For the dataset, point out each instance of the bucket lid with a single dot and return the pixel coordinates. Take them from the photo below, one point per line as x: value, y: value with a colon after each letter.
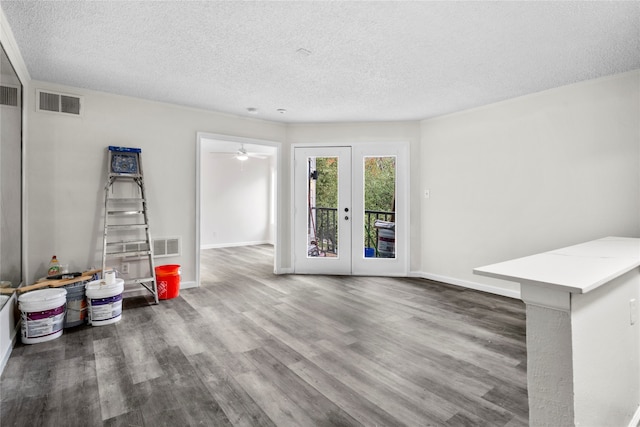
x: 102, y: 285
x: 43, y: 295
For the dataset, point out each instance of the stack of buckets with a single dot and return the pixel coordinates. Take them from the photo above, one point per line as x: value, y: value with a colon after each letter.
x: 45, y: 312
x: 386, y: 238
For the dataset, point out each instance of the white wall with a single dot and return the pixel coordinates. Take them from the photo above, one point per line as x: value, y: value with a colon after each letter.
x: 66, y: 172
x: 528, y: 175
x: 235, y: 201
x: 606, y: 353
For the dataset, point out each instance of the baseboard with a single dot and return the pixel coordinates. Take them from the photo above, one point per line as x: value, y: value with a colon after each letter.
x: 284, y: 271
x: 233, y: 245
x: 467, y: 284
x: 636, y: 419
x: 187, y: 285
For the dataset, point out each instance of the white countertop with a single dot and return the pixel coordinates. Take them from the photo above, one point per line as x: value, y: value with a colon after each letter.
x: 578, y: 269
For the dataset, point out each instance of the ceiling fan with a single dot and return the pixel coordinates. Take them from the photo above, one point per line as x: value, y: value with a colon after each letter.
x: 242, y: 154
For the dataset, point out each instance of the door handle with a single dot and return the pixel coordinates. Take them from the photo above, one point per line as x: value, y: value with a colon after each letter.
x: 346, y: 209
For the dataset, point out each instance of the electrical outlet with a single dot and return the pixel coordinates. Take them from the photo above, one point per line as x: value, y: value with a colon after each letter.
x: 125, y: 268
x: 633, y: 311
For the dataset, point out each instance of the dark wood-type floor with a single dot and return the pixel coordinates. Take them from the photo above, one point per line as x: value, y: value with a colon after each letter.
x: 252, y: 349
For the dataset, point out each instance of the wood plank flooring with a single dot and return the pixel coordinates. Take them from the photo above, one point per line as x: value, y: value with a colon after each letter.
x: 249, y: 348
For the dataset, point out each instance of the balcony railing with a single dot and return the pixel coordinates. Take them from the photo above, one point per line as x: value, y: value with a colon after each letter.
x: 326, y: 222
x: 371, y: 232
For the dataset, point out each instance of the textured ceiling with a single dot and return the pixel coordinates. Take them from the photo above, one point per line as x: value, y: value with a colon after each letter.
x: 364, y: 61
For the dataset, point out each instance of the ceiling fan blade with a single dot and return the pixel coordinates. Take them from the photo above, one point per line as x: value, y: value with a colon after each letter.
x: 241, y: 152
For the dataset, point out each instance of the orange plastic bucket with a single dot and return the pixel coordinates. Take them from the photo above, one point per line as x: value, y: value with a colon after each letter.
x: 168, y: 281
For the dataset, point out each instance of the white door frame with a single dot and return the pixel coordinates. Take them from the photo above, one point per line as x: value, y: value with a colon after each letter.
x: 198, y: 217
x: 398, y: 266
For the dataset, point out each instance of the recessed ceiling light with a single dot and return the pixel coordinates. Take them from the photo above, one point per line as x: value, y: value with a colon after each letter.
x: 252, y: 110
x: 281, y: 110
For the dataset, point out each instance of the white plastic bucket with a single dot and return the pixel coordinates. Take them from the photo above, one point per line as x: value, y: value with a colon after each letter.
x: 42, y: 314
x: 3, y: 300
x: 105, y: 301
x: 386, y: 243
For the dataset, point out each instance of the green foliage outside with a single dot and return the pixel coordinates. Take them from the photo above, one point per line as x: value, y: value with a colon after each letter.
x: 379, y: 178
x: 327, y: 183
x: 379, y: 183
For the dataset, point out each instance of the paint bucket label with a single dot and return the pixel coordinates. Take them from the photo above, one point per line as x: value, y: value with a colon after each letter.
x: 42, y: 323
x: 106, y: 308
x: 386, y: 243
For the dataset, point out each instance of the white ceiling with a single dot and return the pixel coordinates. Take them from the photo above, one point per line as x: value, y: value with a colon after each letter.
x: 368, y: 61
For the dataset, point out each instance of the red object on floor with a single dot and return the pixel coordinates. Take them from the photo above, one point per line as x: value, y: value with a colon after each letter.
x: 168, y: 281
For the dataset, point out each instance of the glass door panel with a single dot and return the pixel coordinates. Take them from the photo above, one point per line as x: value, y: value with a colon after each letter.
x: 322, y: 195
x: 379, y: 206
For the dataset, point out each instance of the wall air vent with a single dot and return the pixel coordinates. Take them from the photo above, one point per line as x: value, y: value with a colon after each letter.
x: 58, y: 102
x: 9, y: 96
x: 166, y: 247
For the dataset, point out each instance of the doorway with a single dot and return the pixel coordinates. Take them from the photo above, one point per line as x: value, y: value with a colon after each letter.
x: 351, y: 209
x: 236, y: 194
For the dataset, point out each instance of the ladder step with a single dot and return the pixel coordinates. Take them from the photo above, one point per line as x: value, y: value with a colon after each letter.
x: 126, y: 254
x: 124, y: 213
x: 125, y: 199
x: 127, y: 242
x: 138, y: 281
x: 125, y: 175
x: 127, y: 227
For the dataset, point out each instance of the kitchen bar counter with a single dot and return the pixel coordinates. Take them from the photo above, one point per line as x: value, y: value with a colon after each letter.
x: 583, y: 341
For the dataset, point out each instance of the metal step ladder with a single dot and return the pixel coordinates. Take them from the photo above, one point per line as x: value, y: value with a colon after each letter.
x: 126, y: 220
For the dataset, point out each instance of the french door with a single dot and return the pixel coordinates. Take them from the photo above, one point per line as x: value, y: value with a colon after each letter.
x: 351, y: 209
x: 322, y: 219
